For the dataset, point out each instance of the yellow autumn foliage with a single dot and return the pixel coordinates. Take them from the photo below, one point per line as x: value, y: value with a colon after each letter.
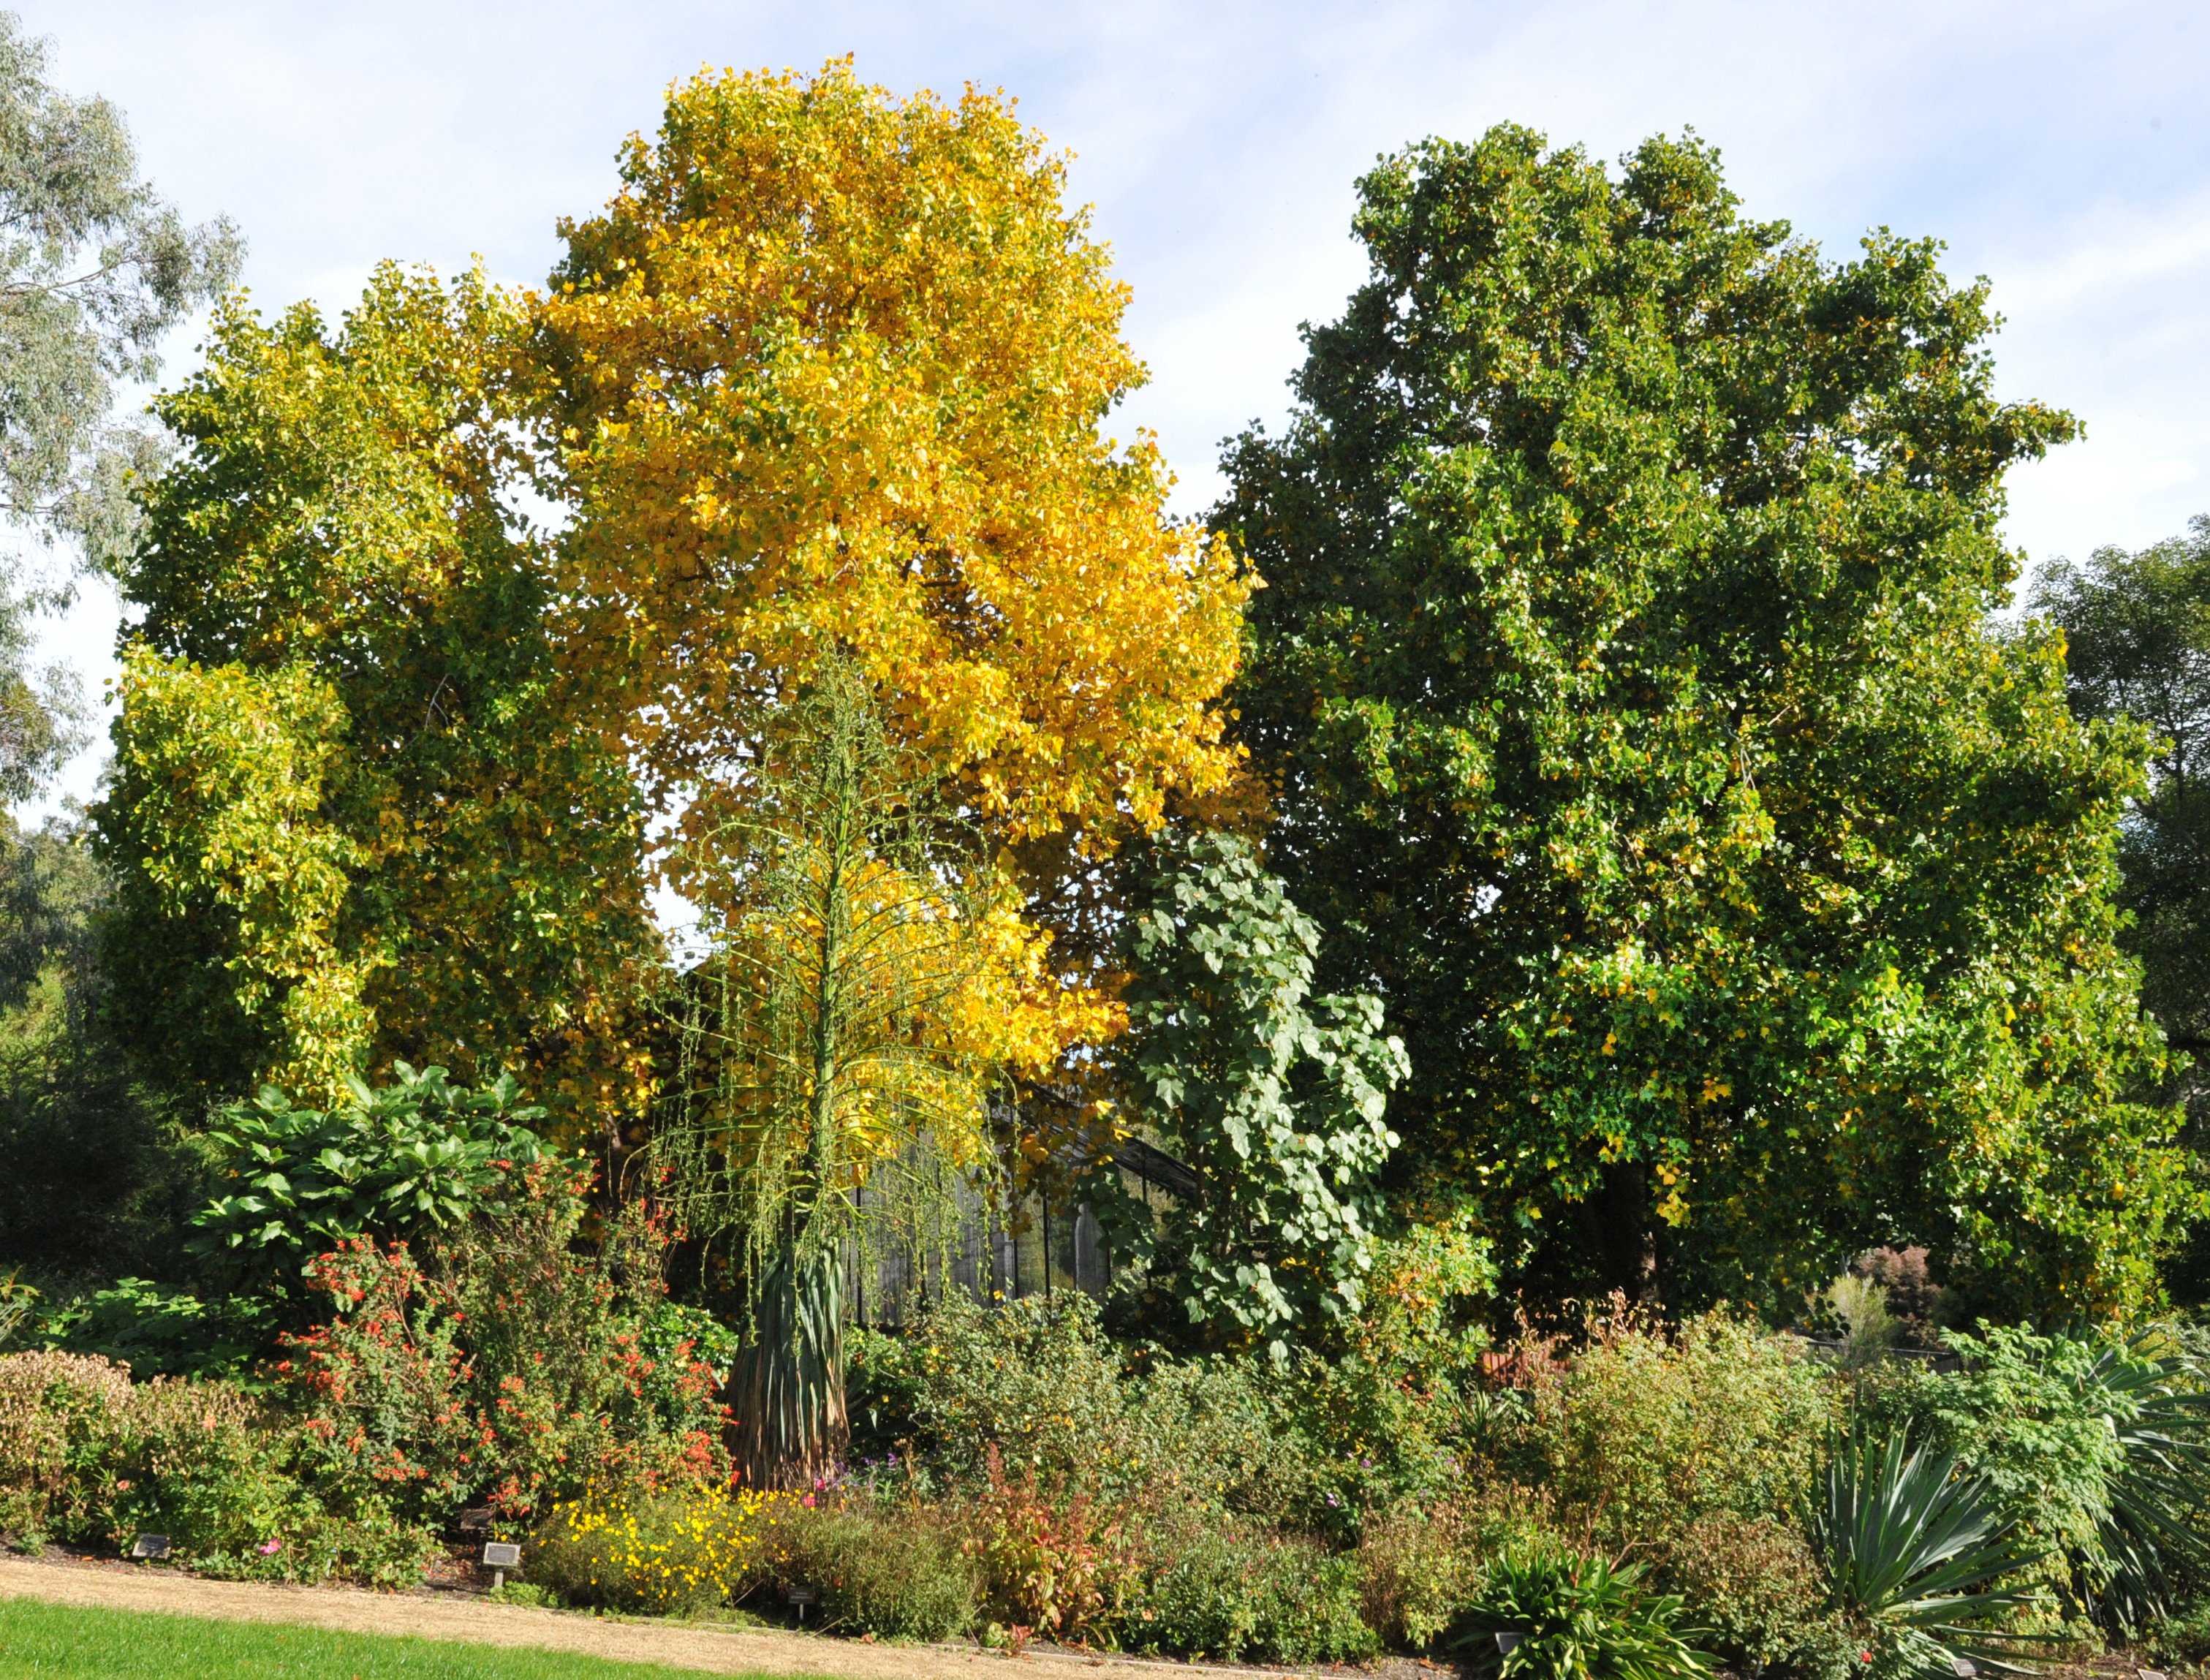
x: 831, y: 370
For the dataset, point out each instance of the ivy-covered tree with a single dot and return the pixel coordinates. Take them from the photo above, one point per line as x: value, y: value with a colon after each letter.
x: 1626, y: 684
x: 1274, y: 1097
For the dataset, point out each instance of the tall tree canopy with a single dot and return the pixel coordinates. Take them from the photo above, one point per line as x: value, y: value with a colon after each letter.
x: 830, y: 372
x: 2137, y: 633
x: 351, y: 818
x: 1625, y: 684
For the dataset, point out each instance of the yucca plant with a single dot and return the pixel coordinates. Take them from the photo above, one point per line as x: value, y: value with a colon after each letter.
x: 1569, y: 1618
x: 1913, y: 1546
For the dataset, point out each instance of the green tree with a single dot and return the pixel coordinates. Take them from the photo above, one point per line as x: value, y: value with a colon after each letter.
x: 1273, y: 1097
x: 355, y: 819
x: 1626, y: 685
x: 2137, y: 637
x: 95, y: 1177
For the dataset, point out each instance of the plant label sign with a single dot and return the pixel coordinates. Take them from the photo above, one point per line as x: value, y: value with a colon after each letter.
x: 148, y: 1546
x: 501, y: 1555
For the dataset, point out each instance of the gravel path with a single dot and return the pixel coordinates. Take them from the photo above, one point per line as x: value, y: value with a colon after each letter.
x: 425, y: 1616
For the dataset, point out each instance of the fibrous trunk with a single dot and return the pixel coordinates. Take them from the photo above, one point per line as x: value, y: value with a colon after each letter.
x: 790, y: 1382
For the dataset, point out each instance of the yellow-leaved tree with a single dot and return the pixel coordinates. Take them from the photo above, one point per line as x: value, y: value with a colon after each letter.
x: 829, y: 372
x: 827, y: 379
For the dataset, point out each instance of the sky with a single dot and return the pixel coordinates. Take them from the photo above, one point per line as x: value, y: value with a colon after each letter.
x: 2059, y: 150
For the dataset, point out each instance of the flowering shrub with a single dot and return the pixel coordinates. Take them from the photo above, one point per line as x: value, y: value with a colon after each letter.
x: 684, y: 1551
x: 382, y: 1387
x: 55, y: 1410
x: 516, y: 1375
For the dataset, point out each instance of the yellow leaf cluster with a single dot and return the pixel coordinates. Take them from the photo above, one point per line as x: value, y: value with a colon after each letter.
x: 831, y: 372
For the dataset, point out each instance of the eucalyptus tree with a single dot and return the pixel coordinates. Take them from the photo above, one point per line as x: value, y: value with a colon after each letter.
x: 95, y: 270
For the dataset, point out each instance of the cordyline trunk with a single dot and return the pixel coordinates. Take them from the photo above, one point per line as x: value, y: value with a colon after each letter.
x: 789, y: 1396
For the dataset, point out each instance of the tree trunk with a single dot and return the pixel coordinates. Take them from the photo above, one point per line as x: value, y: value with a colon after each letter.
x: 792, y: 1425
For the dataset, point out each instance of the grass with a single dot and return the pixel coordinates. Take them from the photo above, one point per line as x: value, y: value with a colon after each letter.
x: 62, y: 1642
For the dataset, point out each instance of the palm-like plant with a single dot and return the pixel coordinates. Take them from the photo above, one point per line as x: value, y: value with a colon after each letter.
x: 1913, y: 1545
x: 2147, y: 1536
x: 1568, y: 1617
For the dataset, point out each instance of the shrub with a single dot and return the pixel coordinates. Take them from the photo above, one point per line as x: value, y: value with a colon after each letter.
x: 1642, y: 1433
x: 1417, y: 1572
x: 1388, y: 1412
x: 894, y: 1573
x: 55, y: 1408
x: 1575, y: 1618
x: 1040, y: 1384
x: 1218, y: 1591
x: 415, y: 1156
x: 157, y: 1333
x: 1756, y: 1590
x: 90, y: 1457
x: 1918, y: 1304
x: 1420, y: 1562
x: 2182, y: 1640
x: 685, y: 1550
x: 518, y: 1377
x: 2100, y: 1449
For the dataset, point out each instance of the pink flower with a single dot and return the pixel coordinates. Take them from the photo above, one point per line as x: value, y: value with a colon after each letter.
x: 271, y: 1546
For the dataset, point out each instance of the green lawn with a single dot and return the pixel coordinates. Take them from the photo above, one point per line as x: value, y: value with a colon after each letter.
x: 71, y: 1644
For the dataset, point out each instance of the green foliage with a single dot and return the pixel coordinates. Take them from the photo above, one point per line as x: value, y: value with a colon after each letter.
x: 1759, y: 1596
x: 513, y: 1376
x: 1643, y: 1433
x: 356, y: 816
x: 416, y: 1156
x: 2184, y: 1641
x: 97, y: 270
x: 1274, y: 1097
x: 88, y: 1456
x: 97, y: 1177
x: 894, y: 1573
x: 1918, y: 1548
x: 1576, y: 1618
x: 1232, y: 1595
x: 2100, y: 1449
x: 827, y: 1046
x: 1039, y: 1383
x: 2137, y: 649
x: 1422, y: 1562
x: 158, y: 1332
x: 1386, y: 1408
x: 632, y: 1549
x: 1626, y: 687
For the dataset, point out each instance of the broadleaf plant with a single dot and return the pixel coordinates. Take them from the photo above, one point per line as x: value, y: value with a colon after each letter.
x: 416, y: 1154
x: 1275, y: 1097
